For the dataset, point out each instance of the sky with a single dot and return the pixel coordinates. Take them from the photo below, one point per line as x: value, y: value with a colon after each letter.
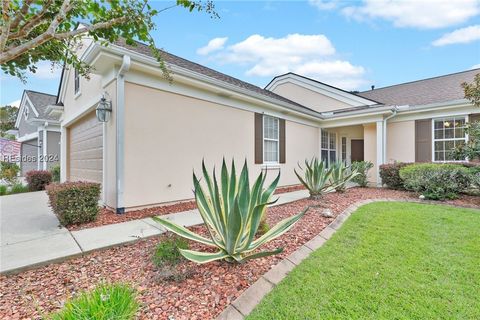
x: 349, y: 44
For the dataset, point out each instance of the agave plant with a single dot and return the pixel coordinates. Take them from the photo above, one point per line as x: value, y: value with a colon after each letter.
x: 232, y: 212
x: 316, y: 178
x: 341, y: 174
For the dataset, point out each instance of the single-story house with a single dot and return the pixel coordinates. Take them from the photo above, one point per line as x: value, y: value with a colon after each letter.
x: 38, y: 125
x: 160, y: 130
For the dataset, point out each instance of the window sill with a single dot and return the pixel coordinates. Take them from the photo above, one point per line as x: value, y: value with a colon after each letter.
x: 270, y: 166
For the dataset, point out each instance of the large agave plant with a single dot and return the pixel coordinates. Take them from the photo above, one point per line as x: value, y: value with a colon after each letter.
x: 316, y: 178
x: 232, y: 212
x: 341, y: 174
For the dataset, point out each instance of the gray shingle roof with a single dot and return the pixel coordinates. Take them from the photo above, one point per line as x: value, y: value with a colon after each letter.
x: 421, y: 92
x: 41, y: 101
x: 180, y: 62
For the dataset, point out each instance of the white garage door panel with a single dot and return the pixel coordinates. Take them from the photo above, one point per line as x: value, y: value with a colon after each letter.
x: 86, y: 149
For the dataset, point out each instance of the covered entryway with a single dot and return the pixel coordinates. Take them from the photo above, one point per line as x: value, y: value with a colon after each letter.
x: 85, y: 156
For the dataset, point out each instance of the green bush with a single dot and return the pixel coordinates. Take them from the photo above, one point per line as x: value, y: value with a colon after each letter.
x: 436, y: 181
x: 55, y: 171
x: 106, y: 302
x: 74, y: 202
x: 37, y: 180
x: 18, y: 188
x: 475, y: 177
x: 390, y: 175
x: 362, y: 167
x: 3, y: 190
x: 167, y: 252
x: 9, y: 172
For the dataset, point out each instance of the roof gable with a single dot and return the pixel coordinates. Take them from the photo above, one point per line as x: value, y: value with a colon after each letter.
x: 38, y: 103
x: 346, y: 98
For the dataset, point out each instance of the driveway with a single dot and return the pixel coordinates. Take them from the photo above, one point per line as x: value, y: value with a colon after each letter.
x: 30, y: 232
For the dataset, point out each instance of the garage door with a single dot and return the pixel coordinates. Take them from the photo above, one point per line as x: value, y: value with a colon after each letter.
x: 85, y: 144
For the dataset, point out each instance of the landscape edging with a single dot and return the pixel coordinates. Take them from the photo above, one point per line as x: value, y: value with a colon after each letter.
x: 253, y: 295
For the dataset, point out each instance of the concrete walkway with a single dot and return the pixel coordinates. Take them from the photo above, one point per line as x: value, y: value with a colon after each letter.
x: 31, y: 235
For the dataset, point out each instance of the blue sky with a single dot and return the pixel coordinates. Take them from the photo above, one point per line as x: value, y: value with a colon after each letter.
x: 352, y: 44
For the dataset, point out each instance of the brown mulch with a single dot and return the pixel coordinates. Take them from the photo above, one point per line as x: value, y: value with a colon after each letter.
x: 106, y: 216
x: 203, y: 295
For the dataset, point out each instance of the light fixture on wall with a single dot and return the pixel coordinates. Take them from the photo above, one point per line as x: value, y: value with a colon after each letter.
x: 104, y: 108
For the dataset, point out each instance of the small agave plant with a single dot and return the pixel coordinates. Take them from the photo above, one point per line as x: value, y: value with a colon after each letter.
x: 341, y: 174
x: 316, y: 178
x: 232, y: 212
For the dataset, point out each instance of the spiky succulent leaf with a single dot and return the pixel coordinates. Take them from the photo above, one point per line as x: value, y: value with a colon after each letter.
x: 316, y: 177
x: 182, y: 231
x: 203, y: 257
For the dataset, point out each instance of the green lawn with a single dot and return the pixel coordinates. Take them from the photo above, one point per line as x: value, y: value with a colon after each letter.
x: 388, y: 261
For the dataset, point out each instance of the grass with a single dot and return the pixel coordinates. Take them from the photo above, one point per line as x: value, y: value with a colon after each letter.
x: 106, y: 302
x: 388, y: 261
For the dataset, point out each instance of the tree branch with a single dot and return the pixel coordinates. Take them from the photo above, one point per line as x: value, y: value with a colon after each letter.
x: 21, y: 14
x: 100, y: 25
x: 6, y: 24
x: 12, y: 53
x: 32, y: 24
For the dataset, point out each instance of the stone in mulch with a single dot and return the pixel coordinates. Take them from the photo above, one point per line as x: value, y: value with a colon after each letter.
x: 207, y: 290
x: 106, y: 216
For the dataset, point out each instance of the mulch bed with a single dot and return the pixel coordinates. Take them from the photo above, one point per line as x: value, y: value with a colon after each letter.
x: 207, y: 290
x: 106, y: 216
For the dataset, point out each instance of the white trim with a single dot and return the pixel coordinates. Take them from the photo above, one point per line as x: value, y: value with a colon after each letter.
x: 63, y: 154
x: 23, y: 103
x: 120, y: 134
x: 44, y: 148
x: 320, y: 88
x: 379, y: 151
x: 28, y: 136
x: 328, y: 149
x: 465, y: 139
x: 38, y: 148
x: 270, y: 163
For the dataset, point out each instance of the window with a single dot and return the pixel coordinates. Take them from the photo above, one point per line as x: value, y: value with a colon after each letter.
x: 77, y: 81
x: 328, y: 147
x: 26, y: 112
x: 270, y: 139
x: 344, y: 149
x: 448, y: 134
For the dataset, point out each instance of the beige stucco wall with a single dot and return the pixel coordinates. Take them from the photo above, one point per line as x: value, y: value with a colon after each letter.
x: 309, y: 98
x: 370, y: 148
x: 401, y: 141
x: 167, y: 135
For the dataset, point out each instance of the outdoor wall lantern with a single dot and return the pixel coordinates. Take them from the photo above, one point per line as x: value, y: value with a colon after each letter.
x: 104, y: 108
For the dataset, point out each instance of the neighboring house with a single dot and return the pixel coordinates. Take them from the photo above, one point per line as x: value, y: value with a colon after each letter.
x: 159, y: 131
x: 38, y: 124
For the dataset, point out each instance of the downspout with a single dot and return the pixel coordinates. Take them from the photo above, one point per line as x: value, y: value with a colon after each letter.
x: 394, y: 113
x: 120, y: 150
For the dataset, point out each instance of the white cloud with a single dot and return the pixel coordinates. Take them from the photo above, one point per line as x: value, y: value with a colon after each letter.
x: 424, y: 14
x: 324, y: 4
x: 45, y: 71
x: 477, y: 66
x: 15, y: 103
x: 309, y: 55
x: 213, y: 45
x: 464, y: 35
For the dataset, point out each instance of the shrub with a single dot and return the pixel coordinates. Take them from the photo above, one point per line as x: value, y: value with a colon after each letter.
x: 390, y: 174
x: 232, y: 213
x: 74, y: 202
x: 18, y: 188
x: 55, y: 171
x: 475, y: 177
x: 9, y: 172
x: 167, y: 252
x: 106, y: 302
x: 38, y: 179
x: 362, y: 167
x: 341, y: 174
x: 436, y: 181
x: 3, y: 190
x: 316, y: 178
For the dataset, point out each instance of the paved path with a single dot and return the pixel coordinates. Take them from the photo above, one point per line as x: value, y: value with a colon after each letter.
x: 31, y: 236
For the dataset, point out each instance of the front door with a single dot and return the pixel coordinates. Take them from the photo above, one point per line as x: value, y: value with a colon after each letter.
x: 357, y: 150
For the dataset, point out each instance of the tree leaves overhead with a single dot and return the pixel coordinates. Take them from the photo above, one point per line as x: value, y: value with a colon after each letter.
x: 33, y: 30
